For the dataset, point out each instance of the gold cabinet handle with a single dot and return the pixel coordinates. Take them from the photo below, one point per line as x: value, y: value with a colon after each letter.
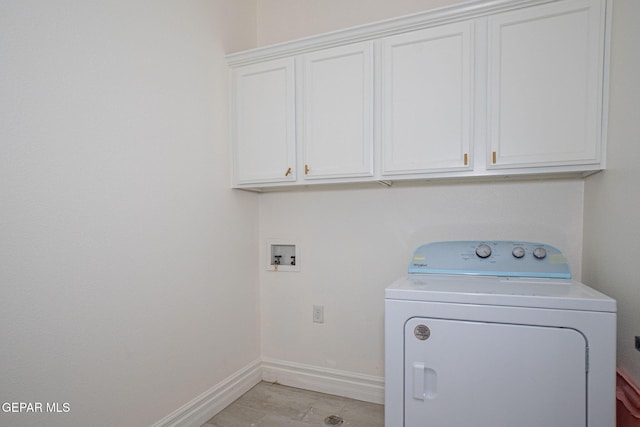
x: 306, y: 169
x: 288, y: 172
x: 493, y: 158
x: 466, y: 159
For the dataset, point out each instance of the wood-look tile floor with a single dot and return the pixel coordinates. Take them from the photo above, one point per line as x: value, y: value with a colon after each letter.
x: 274, y: 405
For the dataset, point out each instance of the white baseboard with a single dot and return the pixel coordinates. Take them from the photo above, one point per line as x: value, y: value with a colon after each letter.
x: 368, y: 388
x: 202, y: 408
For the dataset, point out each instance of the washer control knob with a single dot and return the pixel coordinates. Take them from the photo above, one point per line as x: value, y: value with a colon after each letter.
x: 518, y: 252
x: 539, y: 253
x: 483, y: 250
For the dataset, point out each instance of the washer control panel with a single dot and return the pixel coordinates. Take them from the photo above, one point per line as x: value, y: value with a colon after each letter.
x: 490, y: 258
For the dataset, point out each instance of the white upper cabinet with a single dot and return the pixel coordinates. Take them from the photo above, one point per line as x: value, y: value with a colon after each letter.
x: 426, y: 100
x: 478, y: 89
x: 336, y: 118
x: 546, y: 85
x: 263, y: 122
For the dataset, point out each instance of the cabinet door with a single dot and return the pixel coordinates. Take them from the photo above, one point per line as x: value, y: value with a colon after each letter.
x: 545, y: 85
x: 337, y: 112
x: 264, y: 122
x: 427, y: 100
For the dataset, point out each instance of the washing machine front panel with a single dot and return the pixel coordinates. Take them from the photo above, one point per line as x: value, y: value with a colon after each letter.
x: 459, y: 373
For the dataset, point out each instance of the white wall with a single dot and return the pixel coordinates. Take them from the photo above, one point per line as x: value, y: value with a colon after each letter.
x: 612, y: 199
x: 128, y: 277
x: 354, y: 243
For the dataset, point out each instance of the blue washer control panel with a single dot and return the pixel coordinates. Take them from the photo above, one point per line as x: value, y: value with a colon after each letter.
x: 490, y: 258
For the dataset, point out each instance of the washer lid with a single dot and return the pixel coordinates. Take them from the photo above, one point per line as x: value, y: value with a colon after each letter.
x: 490, y: 258
x: 563, y: 294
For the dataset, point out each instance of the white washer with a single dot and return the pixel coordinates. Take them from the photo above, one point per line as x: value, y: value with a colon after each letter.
x: 497, y: 334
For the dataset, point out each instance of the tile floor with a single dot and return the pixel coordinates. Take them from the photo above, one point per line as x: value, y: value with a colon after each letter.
x: 274, y: 405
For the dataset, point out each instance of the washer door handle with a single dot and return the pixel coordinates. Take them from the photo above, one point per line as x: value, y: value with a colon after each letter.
x: 425, y: 382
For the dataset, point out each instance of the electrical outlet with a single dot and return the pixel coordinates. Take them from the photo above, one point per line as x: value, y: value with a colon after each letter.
x: 318, y: 313
x: 637, y: 342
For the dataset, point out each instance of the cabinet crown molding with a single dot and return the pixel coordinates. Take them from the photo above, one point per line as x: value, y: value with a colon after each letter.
x: 416, y: 21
